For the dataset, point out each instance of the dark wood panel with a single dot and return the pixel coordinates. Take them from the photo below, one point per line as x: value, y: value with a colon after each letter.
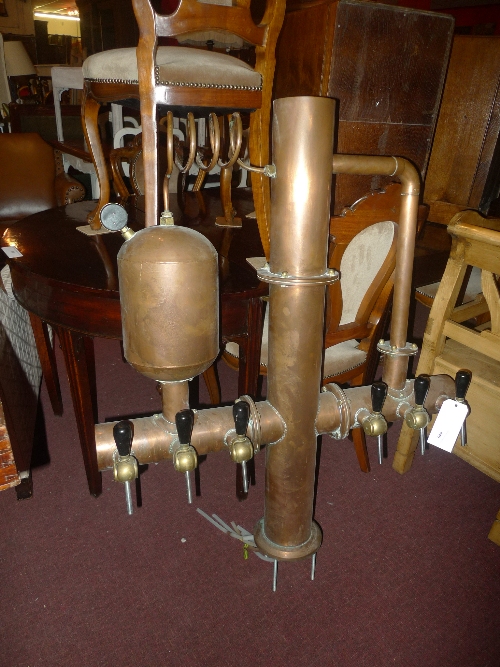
x: 302, y: 54
x: 465, y: 151
x: 386, y: 65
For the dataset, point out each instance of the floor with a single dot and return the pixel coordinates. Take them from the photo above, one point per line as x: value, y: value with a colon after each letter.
x: 405, y: 576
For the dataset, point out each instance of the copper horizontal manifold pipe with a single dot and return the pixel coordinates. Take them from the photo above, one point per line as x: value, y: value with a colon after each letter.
x: 154, y: 436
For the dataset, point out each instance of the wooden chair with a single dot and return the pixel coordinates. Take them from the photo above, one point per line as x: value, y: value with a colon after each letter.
x: 31, y: 180
x: 363, y: 249
x: 187, y: 78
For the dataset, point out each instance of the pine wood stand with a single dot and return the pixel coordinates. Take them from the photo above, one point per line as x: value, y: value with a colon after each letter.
x: 449, y: 346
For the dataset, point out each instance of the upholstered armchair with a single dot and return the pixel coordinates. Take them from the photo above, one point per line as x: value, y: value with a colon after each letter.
x: 32, y: 178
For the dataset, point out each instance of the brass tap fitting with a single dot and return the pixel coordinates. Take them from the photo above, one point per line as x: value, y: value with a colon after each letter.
x: 417, y: 418
x: 185, y: 457
x: 241, y: 449
x: 125, y: 467
x: 462, y: 381
x: 375, y: 424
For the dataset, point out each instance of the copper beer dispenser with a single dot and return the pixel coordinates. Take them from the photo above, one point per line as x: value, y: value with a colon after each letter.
x: 169, y: 297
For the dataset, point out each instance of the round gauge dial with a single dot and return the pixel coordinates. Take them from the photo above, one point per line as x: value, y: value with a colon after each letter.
x: 114, y: 217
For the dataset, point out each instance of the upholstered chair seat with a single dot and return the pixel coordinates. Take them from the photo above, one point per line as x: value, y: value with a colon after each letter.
x: 339, y: 358
x: 175, y: 66
x: 427, y: 293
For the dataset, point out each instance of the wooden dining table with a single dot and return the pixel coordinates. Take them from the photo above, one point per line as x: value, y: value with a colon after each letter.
x: 69, y: 280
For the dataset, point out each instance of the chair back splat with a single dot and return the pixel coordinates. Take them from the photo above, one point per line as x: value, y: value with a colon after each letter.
x: 191, y: 78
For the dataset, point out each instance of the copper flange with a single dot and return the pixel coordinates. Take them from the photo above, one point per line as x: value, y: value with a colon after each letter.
x: 308, y: 548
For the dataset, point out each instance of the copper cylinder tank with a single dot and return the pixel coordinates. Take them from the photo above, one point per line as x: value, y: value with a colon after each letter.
x: 170, y: 302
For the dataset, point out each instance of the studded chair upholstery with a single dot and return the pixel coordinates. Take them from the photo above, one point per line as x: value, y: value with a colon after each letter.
x: 190, y: 78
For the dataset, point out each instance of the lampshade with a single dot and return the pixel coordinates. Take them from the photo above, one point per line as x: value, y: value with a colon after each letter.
x: 17, y: 60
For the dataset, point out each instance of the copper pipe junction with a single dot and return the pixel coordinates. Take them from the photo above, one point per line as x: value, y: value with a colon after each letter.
x: 296, y: 410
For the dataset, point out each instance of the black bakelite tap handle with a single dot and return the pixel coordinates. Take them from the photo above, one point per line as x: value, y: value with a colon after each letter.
x: 123, y: 432
x: 421, y: 387
x: 184, y: 421
x: 462, y: 382
x: 241, y: 415
x: 379, y: 392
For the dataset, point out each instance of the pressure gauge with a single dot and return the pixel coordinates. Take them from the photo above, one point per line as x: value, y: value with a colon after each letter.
x: 114, y: 217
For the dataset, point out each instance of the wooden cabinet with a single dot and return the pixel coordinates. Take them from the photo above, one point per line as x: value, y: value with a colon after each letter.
x: 464, y: 169
x: 385, y: 64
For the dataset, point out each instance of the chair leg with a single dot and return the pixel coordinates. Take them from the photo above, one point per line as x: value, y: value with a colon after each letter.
x: 258, y: 150
x: 358, y: 435
x: 359, y: 440
x: 228, y: 219
x: 150, y: 156
x: 48, y: 361
x: 200, y: 179
x: 407, y: 445
x: 250, y: 350
x: 212, y: 383
x: 24, y: 490
x: 91, y: 108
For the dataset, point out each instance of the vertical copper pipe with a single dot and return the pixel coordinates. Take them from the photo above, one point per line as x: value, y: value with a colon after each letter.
x: 395, y: 368
x: 174, y: 397
x: 300, y: 212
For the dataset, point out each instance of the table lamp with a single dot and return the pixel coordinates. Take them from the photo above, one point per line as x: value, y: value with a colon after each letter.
x: 18, y: 64
x: 17, y: 60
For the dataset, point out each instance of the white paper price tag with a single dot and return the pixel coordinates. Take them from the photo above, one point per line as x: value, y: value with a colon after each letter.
x: 12, y: 251
x: 448, y: 424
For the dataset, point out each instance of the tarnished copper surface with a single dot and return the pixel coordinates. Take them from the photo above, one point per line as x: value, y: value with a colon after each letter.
x: 170, y: 302
x: 174, y: 397
x: 300, y: 209
x: 395, y: 367
x: 394, y: 407
x: 153, y: 436
x: 280, y: 552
